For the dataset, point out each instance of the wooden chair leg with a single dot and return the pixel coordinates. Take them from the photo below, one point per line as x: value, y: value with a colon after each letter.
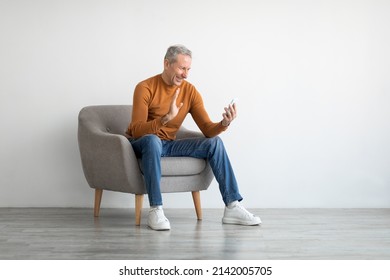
x: 139, y: 200
x: 98, y: 200
x: 197, y: 204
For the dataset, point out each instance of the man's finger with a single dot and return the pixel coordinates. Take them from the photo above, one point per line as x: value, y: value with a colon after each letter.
x: 177, y: 92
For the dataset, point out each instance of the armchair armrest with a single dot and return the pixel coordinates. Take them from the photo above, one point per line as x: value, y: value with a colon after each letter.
x: 187, y: 133
x: 109, y: 161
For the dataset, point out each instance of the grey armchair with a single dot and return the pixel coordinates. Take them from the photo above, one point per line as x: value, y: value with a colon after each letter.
x: 109, y: 162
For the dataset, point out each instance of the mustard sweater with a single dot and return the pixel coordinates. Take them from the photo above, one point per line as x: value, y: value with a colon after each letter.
x: 151, y: 102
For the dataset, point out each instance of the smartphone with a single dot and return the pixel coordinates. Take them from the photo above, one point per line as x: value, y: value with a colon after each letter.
x: 234, y: 100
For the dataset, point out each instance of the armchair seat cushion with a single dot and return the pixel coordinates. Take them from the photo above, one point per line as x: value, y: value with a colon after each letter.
x: 180, y: 166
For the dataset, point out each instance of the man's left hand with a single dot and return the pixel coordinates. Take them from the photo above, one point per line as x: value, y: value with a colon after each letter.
x: 229, y: 115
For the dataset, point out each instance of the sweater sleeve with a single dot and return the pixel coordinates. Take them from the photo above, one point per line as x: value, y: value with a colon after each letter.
x: 202, y: 119
x: 140, y: 125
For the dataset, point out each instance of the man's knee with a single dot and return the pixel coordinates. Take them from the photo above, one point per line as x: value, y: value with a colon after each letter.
x: 216, y: 140
x: 151, y: 142
x: 216, y: 143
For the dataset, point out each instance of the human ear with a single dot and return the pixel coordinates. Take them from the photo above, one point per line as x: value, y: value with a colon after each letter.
x: 166, y: 63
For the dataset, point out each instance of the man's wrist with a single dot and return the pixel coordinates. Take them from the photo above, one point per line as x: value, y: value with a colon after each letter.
x: 165, y: 119
x: 224, y: 123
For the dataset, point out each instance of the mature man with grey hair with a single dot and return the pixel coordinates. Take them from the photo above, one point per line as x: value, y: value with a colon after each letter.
x: 160, y: 105
x: 175, y: 50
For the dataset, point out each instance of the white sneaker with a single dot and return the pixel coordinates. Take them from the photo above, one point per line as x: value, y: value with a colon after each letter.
x: 238, y: 215
x: 157, y: 219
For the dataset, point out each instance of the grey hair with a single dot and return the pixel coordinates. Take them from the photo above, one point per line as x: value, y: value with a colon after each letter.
x: 174, y: 50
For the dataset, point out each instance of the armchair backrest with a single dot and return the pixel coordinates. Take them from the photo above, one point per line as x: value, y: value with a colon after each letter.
x: 115, y: 119
x: 107, y: 118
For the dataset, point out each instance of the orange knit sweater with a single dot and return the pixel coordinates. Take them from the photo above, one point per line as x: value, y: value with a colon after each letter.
x: 151, y: 102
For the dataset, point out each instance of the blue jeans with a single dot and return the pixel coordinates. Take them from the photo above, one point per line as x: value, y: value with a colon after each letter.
x: 150, y: 149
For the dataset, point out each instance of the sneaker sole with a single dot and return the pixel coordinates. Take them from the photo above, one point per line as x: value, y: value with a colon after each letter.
x: 159, y: 228
x: 233, y: 221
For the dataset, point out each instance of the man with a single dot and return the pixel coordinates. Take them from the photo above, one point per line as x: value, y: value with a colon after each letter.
x: 160, y: 105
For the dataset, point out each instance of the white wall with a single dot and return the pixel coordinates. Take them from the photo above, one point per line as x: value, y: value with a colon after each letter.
x: 312, y: 78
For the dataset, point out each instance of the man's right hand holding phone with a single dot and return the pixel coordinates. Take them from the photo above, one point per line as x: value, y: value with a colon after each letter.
x: 230, y: 113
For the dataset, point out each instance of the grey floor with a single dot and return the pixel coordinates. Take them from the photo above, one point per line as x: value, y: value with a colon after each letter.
x: 73, y: 233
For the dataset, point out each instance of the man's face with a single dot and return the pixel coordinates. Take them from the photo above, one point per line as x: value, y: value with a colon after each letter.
x: 176, y: 72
